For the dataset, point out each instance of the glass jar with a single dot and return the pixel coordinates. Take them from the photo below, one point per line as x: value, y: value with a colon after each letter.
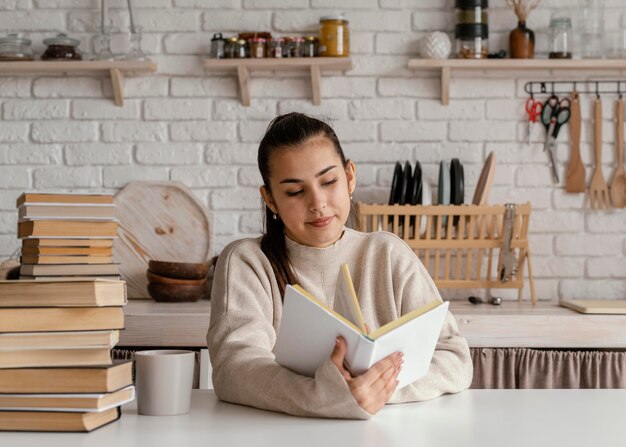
x: 560, y: 38
x: 230, y: 46
x: 61, y: 48
x: 13, y: 47
x: 241, y: 51
x: 257, y: 47
x: 334, y: 37
x: 274, y: 48
x: 472, y: 29
x: 295, y: 47
x: 217, y: 46
x: 309, y: 47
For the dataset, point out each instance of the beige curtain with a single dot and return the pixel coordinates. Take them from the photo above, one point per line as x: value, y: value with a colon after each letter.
x: 538, y: 368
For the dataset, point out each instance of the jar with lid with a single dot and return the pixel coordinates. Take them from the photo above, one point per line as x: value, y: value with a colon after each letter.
x: 230, y: 46
x: 274, y: 48
x: 560, y: 38
x: 217, y: 46
x: 309, y: 47
x: 13, y: 47
x: 334, y: 40
x: 257, y: 47
x: 472, y: 29
x: 241, y: 51
x: 60, y: 48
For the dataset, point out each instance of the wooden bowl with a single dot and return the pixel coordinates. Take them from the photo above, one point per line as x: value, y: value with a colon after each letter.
x: 176, y: 293
x: 179, y: 270
x: 158, y: 279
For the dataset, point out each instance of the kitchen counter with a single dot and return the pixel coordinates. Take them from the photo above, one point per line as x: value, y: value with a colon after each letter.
x: 512, y: 324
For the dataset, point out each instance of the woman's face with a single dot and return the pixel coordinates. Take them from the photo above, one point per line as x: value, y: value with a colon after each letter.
x: 310, y: 191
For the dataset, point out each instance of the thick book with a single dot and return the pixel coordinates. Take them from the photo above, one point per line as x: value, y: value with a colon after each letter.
x: 309, y: 328
x: 67, y: 251
x: 62, y: 293
x: 69, y: 269
x: 54, y: 259
x: 69, y: 379
x: 48, y: 319
x: 59, y: 340
x: 87, y: 402
x: 29, y: 358
x: 62, y: 242
x: 66, y: 228
x: 64, y: 198
x: 68, y: 278
x: 66, y: 211
x: 59, y: 421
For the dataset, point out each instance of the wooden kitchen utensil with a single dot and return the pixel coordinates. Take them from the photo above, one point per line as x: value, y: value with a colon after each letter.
x: 575, y: 176
x: 598, y: 190
x: 158, y: 220
x: 618, y: 184
x: 485, y: 180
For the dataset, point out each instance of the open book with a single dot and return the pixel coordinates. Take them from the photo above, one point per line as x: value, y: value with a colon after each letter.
x: 308, y: 330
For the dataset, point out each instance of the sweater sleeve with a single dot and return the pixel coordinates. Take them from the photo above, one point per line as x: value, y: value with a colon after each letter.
x: 451, y: 367
x: 241, y: 337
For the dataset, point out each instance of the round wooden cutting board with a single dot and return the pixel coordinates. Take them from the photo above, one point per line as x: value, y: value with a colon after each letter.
x: 162, y: 221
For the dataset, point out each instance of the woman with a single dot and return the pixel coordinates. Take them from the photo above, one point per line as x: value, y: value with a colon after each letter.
x: 307, y: 189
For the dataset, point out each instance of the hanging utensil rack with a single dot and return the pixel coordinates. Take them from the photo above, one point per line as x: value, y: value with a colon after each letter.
x: 463, y: 251
x: 558, y: 87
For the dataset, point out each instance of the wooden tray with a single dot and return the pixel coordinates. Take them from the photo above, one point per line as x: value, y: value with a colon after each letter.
x: 158, y: 220
x: 596, y: 306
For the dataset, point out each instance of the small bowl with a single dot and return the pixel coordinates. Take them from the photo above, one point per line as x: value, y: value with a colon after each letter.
x: 175, y: 293
x: 179, y: 270
x: 158, y: 279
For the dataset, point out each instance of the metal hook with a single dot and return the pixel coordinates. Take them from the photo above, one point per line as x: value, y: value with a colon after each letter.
x: 597, y: 92
x: 543, y: 87
x: 619, y: 91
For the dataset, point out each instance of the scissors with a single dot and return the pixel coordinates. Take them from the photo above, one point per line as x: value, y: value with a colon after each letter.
x: 533, y: 108
x: 555, y: 113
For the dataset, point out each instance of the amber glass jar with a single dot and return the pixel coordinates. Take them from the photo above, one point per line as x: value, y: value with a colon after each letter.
x: 257, y: 47
x: 334, y: 38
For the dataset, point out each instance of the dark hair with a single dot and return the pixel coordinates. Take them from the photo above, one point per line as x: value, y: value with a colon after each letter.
x: 285, y: 132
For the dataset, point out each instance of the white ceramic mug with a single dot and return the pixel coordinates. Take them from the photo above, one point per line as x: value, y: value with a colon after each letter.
x: 163, y: 380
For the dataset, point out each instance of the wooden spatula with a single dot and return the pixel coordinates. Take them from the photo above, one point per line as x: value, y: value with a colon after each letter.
x: 618, y: 184
x: 575, y: 176
x: 598, y: 190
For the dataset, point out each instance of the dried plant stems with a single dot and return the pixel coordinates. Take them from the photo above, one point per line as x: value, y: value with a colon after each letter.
x: 522, y: 7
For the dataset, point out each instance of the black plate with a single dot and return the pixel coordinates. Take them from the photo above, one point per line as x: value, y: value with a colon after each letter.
x: 416, y: 184
x: 407, y: 180
x: 397, y: 174
x: 457, y: 180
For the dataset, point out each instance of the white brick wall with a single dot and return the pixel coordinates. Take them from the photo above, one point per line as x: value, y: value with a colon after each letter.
x: 184, y: 124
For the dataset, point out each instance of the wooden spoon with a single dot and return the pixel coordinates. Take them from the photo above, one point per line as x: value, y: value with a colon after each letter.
x: 575, y: 176
x: 618, y: 184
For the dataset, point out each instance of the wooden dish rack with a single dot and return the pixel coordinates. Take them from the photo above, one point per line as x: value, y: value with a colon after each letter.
x: 461, y: 246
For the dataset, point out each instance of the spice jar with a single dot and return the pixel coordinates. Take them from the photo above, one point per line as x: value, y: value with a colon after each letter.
x: 309, y: 48
x: 472, y: 29
x: 217, y: 46
x: 240, y: 49
x: 61, y: 47
x: 334, y: 36
x: 560, y: 38
x: 15, y: 48
x: 274, y: 48
x: 295, y: 47
x: 257, y: 47
x: 230, y: 45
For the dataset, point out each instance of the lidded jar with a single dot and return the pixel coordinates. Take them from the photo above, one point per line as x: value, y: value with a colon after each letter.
x: 560, y: 38
x: 13, y: 47
x: 61, y: 47
x: 472, y: 28
x: 334, y: 38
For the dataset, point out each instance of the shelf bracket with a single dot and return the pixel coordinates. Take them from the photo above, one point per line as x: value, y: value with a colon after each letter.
x: 117, y: 82
x: 243, y: 75
x: 316, y: 77
x: 445, y: 85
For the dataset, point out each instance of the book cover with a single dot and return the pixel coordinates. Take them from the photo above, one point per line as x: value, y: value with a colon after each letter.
x: 45, y: 319
x: 64, y: 198
x: 308, y: 330
x: 57, y: 421
x: 62, y: 242
x: 68, y: 379
x: 69, y: 269
x: 83, y: 402
x: 62, y: 293
x: 59, y: 340
x: 66, y: 251
x: 66, y: 211
x: 28, y: 358
x: 62, y: 259
x: 67, y: 228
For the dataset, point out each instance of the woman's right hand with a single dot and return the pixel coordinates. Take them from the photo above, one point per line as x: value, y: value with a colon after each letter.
x: 372, y: 389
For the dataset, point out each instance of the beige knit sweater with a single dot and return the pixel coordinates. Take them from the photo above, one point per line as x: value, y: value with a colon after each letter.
x: 246, y: 308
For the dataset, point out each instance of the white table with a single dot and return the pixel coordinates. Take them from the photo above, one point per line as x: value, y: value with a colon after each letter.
x: 481, y: 418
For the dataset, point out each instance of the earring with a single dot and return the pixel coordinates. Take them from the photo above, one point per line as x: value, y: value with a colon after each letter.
x: 275, y: 216
x: 350, y: 196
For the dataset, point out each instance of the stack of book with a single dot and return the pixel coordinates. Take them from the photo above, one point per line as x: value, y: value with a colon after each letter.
x: 67, y: 235
x: 56, y: 368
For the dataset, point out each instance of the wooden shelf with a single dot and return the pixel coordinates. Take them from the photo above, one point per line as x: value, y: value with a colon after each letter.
x: 117, y: 70
x: 447, y: 65
x: 315, y: 65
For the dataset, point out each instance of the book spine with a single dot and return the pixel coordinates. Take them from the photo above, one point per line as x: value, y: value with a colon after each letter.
x: 363, y: 355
